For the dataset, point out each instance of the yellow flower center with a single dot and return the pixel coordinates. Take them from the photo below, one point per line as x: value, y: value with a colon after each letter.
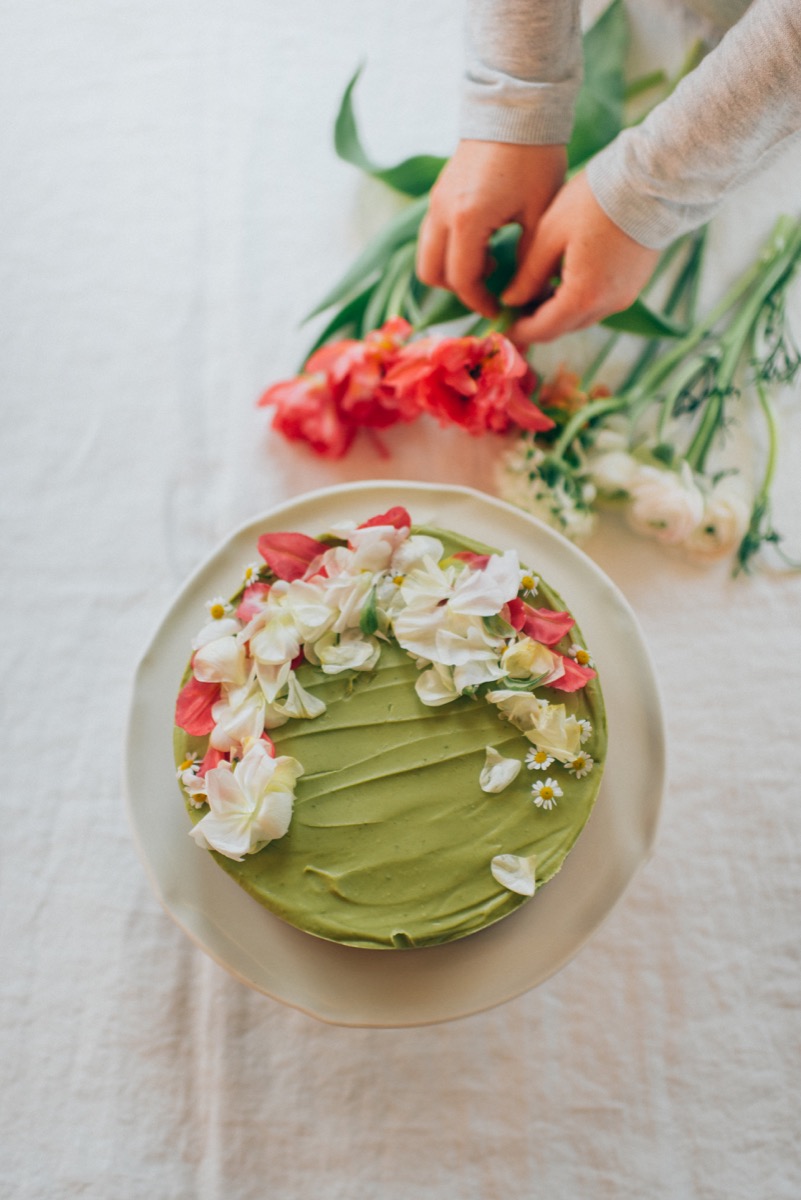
x: 248, y: 574
x: 582, y: 657
x: 540, y: 756
x: 527, y: 581
x: 186, y: 764
x: 546, y: 793
x: 217, y: 612
x: 398, y: 580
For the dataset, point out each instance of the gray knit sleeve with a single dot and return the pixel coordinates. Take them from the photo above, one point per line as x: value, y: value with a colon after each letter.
x: 523, y: 71
x: 732, y: 114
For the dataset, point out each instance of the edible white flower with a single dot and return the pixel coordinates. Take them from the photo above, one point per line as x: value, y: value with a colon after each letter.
x: 427, y: 584
x: 274, y: 635
x: 239, y: 714
x: 515, y: 872
x: 581, y: 654
x: 724, y: 521
x: 218, y: 608
x: 546, y: 725
x: 498, y: 772
x: 581, y: 765
x: 300, y: 703
x: 409, y: 555
x: 348, y: 651
x: 249, y: 805
x: 538, y: 760
x: 482, y: 592
x: 664, y: 504
x: 193, y: 784
x: 586, y: 729
x: 221, y: 661
x: 224, y: 627
x: 527, y: 659
x: 545, y: 793
x: 374, y: 546
x: 435, y: 686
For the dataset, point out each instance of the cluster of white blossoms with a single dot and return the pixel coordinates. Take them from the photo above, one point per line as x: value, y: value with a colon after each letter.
x: 706, y: 518
x: 378, y: 581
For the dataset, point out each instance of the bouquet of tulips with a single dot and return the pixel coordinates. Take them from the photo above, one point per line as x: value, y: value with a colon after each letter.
x: 395, y: 350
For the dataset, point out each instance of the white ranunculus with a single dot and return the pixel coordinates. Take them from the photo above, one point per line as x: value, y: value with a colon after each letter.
x: 498, y: 772
x: 613, y: 471
x: 723, y: 524
x: 666, y: 505
x: 249, y: 805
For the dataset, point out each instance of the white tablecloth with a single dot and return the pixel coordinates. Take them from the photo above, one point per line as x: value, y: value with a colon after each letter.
x: 171, y: 206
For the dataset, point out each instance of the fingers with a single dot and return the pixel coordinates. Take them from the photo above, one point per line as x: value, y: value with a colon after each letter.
x: 455, y: 257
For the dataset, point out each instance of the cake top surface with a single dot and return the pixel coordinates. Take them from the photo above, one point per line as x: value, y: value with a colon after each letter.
x: 390, y: 736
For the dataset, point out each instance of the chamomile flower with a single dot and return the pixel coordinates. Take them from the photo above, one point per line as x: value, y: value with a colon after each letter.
x: 193, y: 783
x: 528, y: 582
x: 586, y: 729
x: 538, y: 760
x: 218, y: 608
x: 581, y: 765
x: 545, y: 793
x: 581, y: 655
x: 251, y: 573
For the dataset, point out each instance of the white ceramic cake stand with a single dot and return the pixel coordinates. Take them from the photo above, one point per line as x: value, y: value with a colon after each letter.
x: 386, y: 988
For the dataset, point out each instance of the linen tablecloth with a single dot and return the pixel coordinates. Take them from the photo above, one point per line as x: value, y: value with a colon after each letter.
x: 171, y: 207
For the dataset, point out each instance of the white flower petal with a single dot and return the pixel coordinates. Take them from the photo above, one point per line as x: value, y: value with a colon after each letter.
x: 515, y: 873
x: 484, y: 592
x: 221, y: 661
x: 498, y: 772
x: 435, y: 686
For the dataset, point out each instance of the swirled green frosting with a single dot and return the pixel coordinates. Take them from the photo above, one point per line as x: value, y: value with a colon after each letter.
x: 391, y: 837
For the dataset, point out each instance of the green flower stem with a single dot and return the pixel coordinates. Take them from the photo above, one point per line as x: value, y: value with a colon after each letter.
x: 596, y: 408
x: 773, y: 444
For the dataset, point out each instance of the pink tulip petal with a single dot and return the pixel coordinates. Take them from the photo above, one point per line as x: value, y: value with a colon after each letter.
x: 546, y: 626
x: 575, y: 676
x: 289, y: 554
x: 397, y: 517
x: 252, y: 600
x: 193, y: 707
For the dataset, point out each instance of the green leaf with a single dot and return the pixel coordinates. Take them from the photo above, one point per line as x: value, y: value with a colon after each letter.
x: 403, y: 228
x: 377, y: 310
x: 346, y: 321
x: 413, y: 177
x: 368, y: 621
x: 599, y: 107
x: 638, y: 318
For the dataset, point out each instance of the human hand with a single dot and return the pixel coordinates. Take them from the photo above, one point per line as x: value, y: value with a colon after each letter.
x: 484, y: 186
x: 602, y: 269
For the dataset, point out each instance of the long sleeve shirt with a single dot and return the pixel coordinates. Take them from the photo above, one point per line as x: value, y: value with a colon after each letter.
x: 659, y: 179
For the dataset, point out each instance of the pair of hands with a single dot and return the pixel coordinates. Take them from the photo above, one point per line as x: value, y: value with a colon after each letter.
x: 564, y: 232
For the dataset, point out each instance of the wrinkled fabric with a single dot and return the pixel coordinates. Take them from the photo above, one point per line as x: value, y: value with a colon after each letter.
x: 171, y: 207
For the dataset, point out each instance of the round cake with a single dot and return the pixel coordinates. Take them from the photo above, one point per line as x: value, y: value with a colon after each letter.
x: 390, y: 736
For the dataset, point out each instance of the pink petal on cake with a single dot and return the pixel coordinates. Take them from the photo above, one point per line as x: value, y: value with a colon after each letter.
x: 397, y: 517
x: 477, y: 561
x: 515, y: 613
x: 575, y: 676
x: 546, y: 626
x: 193, y: 707
x: 211, y: 759
x: 252, y: 600
x: 289, y: 554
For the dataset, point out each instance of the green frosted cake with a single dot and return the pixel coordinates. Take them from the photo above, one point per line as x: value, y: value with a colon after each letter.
x: 391, y: 736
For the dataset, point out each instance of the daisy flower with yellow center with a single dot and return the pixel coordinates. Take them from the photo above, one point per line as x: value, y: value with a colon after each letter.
x: 251, y: 573
x: 581, y: 765
x: 545, y: 793
x: 528, y: 582
x: 218, y: 608
x: 581, y: 655
x: 538, y: 760
x: 586, y: 729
